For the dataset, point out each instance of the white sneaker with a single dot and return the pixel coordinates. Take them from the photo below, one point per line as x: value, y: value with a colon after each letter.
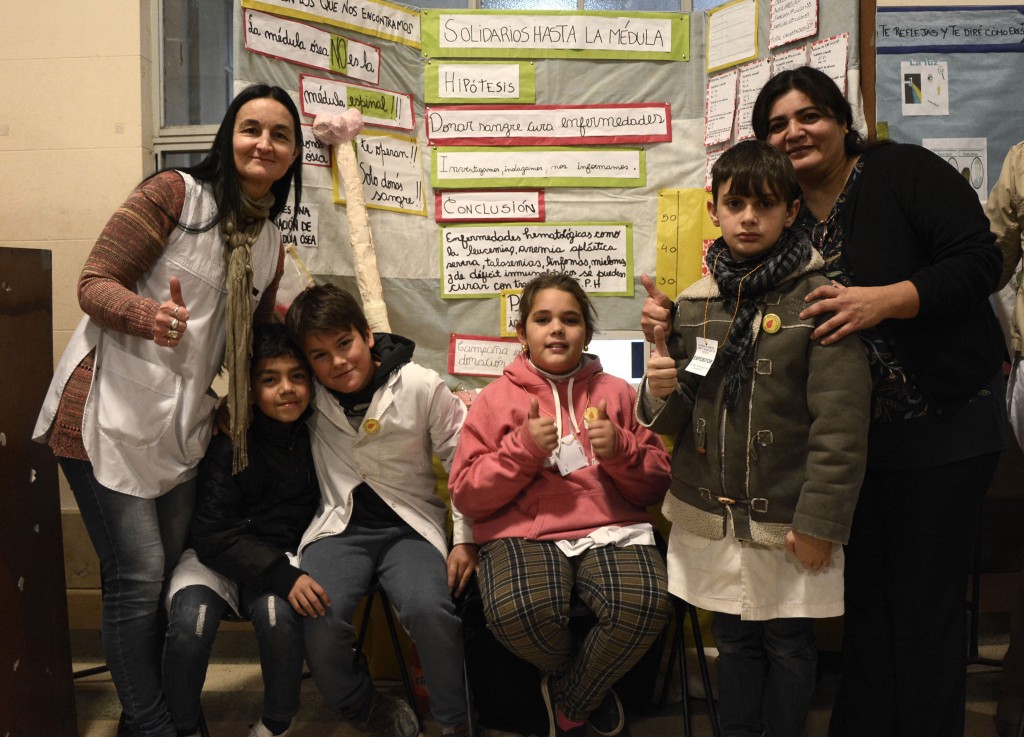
x: 260, y: 730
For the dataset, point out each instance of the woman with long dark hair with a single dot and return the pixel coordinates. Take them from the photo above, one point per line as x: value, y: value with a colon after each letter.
x: 170, y: 292
x: 912, y: 262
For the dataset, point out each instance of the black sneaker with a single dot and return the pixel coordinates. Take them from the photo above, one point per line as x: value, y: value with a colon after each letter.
x: 549, y: 702
x: 608, y: 718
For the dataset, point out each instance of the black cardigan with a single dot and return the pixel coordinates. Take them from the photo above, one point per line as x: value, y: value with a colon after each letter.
x: 243, y: 525
x: 912, y: 216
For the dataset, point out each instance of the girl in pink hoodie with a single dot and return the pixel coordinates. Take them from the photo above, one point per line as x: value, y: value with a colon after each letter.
x: 557, y: 476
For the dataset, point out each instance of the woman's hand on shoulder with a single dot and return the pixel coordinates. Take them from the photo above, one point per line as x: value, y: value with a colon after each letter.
x: 603, y: 434
x: 171, y: 319
x: 857, y: 308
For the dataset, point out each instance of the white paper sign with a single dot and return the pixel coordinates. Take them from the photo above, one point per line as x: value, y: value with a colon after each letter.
x: 471, y: 355
x: 379, y: 107
x: 925, y: 87
x: 578, y: 164
x: 732, y: 34
x: 480, y: 261
x: 753, y: 77
x: 570, y: 32
x: 303, y: 44
x: 969, y: 156
x: 720, y: 106
x: 485, y: 81
x: 829, y: 55
x: 392, y: 173
x: 484, y: 205
x: 789, y: 60
x: 384, y: 20
x: 791, y: 20
x: 306, y: 228
x: 314, y: 153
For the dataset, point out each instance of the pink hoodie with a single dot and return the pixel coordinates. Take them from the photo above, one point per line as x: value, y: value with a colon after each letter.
x: 499, y: 477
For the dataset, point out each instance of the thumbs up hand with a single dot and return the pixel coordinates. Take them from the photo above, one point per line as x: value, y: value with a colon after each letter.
x: 542, y: 429
x: 171, y: 317
x: 604, y: 436
x: 662, y: 378
x: 657, y: 309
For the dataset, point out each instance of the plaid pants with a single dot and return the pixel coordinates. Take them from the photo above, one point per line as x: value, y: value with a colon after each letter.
x: 527, y: 588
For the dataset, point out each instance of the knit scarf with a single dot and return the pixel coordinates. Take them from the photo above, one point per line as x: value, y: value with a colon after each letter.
x: 742, y: 284
x: 240, y: 230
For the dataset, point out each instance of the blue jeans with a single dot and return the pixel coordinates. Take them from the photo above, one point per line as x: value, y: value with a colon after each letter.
x: 414, y: 575
x: 766, y: 675
x: 138, y: 542
x: 196, y: 612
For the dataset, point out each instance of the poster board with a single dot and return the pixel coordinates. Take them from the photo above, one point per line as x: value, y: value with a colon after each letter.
x: 616, y: 88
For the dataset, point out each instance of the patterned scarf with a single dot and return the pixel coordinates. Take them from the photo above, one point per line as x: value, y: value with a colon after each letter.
x: 240, y: 230
x: 742, y: 283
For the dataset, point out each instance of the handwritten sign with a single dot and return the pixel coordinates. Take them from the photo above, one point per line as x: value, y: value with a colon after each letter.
x: 732, y: 34
x: 709, y: 164
x: 471, y: 168
x: 482, y: 261
x: 314, y: 153
x: 379, y: 107
x: 482, y: 81
x: 753, y: 77
x: 829, y: 55
x: 510, y: 299
x: 380, y: 19
x: 480, y: 355
x: 719, y: 108
x: 299, y: 43
x: 537, y: 125
x: 391, y: 171
x: 791, y: 20
x: 961, y: 29
x: 789, y: 59
x: 555, y: 34
x: 489, y: 205
x: 303, y: 230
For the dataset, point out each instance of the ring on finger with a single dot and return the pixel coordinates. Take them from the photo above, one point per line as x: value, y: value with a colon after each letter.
x: 172, y: 335
x: 175, y: 313
x: 175, y: 323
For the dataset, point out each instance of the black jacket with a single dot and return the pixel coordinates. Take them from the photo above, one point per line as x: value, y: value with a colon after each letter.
x: 243, y: 525
x: 912, y: 216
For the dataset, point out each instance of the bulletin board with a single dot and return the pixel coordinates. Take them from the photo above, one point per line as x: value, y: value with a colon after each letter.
x: 949, y: 78
x: 502, y: 143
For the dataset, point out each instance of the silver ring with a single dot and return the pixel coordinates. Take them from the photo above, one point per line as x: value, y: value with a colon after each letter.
x: 174, y: 323
x: 172, y: 335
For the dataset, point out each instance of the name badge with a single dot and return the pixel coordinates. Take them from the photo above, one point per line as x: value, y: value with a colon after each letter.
x: 703, y: 357
x: 570, y: 456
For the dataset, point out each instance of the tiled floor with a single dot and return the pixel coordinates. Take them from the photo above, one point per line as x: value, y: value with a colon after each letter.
x: 233, y: 695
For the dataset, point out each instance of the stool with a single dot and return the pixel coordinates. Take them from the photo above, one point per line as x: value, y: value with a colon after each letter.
x: 677, y: 651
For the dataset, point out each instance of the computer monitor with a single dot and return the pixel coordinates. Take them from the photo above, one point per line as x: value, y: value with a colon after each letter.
x: 623, y: 353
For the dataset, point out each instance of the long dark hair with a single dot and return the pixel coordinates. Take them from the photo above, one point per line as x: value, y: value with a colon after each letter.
x: 218, y: 166
x: 820, y: 90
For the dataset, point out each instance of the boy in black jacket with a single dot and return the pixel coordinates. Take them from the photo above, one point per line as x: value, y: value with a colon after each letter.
x: 244, y: 533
